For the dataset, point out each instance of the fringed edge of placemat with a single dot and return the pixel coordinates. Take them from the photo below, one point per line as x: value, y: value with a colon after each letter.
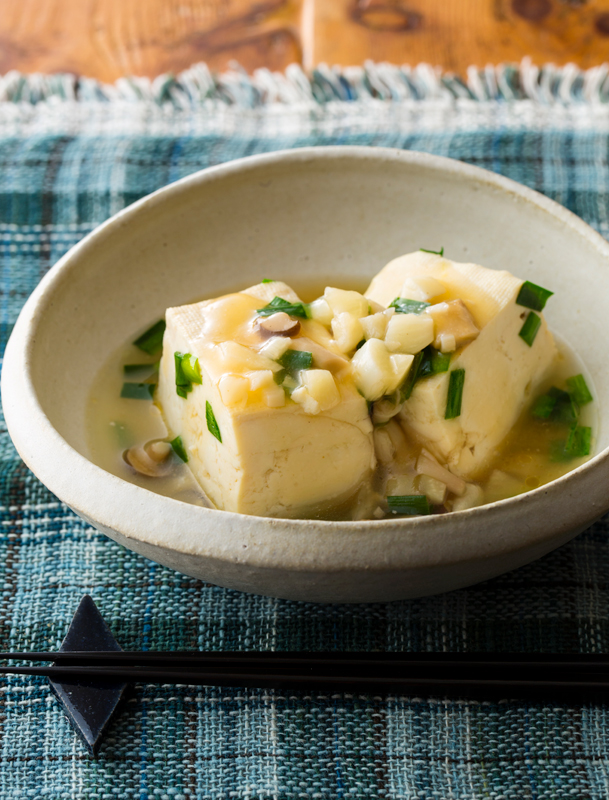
x: 198, y: 85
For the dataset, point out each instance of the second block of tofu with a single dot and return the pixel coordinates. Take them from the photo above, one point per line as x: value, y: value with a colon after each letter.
x: 272, y: 461
x: 501, y: 370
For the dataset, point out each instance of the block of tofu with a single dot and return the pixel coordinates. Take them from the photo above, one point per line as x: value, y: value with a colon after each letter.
x: 501, y: 371
x: 277, y: 457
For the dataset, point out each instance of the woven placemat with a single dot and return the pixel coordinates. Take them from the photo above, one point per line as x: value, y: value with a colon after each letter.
x: 74, y: 152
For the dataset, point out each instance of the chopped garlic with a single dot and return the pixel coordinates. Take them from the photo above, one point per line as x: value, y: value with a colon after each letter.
x: 341, y: 301
x: 234, y: 390
x: 403, y: 484
x: 321, y: 386
x: 274, y: 397
x: 409, y: 333
x: 275, y: 347
x: 260, y: 379
x: 434, y: 489
x: 375, y: 325
x: 320, y: 311
x: 303, y: 398
x: 347, y: 331
x: 376, y: 372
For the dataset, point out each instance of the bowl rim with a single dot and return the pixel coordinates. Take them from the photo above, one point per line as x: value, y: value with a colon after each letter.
x: 387, y: 544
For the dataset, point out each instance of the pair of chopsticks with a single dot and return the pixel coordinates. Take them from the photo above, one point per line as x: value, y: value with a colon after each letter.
x: 561, y: 676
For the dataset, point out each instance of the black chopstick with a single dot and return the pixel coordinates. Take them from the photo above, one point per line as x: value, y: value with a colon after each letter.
x: 297, y: 660
x: 569, y: 685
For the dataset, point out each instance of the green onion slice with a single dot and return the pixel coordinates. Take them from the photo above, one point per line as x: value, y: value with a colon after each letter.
x: 295, y: 360
x: 279, y: 376
x: 528, y: 332
x: 403, y: 305
x: 268, y: 280
x: 138, y: 391
x: 578, y: 389
x: 151, y: 341
x: 439, y: 252
x: 191, y: 369
x: 578, y: 441
x: 212, y: 425
x: 408, y: 504
x: 533, y: 296
x: 566, y: 409
x: 181, y: 379
x: 412, y: 377
x: 279, y: 304
x: 360, y: 344
x: 543, y: 406
x: 179, y: 449
x: 455, y: 394
x: 141, y: 371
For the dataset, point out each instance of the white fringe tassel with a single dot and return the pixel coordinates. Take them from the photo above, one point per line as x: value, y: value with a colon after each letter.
x: 547, y: 85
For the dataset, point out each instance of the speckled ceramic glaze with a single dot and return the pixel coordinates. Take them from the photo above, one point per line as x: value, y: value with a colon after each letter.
x: 323, y: 213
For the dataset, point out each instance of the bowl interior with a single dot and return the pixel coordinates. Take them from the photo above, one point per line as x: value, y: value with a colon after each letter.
x: 319, y: 216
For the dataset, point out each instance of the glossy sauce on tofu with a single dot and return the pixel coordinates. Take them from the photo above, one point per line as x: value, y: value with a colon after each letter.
x: 529, y: 457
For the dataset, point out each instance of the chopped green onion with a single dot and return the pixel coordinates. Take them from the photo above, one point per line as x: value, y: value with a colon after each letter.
x: 279, y: 304
x: 403, y: 305
x: 191, y: 369
x: 179, y: 449
x: 566, y: 409
x: 138, y: 391
x: 577, y: 444
x: 439, y: 252
x: 141, y: 371
x: 268, y: 280
x: 181, y: 379
x: 528, y: 332
x: 455, y: 394
x: 578, y: 389
x: 412, y: 377
x: 279, y: 376
x: 360, y: 344
x: 409, y: 504
x: 295, y: 360
x: 533, y: 296
x: 151, y: 341
x: 543, y: 406
x: 439, y: 361
x: 187, y: 372
x: 212, y: 425
x: 578, y: 441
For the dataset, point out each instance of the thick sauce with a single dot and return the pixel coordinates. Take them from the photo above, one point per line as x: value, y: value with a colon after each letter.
x: 116, y: 424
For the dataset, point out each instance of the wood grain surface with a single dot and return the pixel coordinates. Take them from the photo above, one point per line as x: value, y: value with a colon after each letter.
x: 107, y: 39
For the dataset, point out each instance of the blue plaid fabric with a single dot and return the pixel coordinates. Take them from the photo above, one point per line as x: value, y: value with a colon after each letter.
x: 65, y: 166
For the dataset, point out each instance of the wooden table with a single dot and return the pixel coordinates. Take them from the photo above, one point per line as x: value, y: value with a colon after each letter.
x: 106, y: 39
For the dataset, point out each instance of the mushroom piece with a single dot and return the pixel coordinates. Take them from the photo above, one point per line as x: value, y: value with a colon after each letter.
x: 452, y: 319
x: 279, y: 324
x: 151, y: 459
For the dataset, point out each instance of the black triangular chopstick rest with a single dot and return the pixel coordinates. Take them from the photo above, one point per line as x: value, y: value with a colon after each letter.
x: 89, y: 704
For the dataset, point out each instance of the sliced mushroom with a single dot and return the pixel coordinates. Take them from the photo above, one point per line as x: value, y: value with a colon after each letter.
x: 452, y: 319
x: 279, y: 324
x: 428, y: 465
x: 151, y: 459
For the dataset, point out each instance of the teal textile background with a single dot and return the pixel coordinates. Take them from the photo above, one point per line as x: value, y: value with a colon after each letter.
x: 180, y: 742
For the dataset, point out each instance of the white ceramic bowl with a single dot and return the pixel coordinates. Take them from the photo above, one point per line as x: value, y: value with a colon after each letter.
x: 323, y: 213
